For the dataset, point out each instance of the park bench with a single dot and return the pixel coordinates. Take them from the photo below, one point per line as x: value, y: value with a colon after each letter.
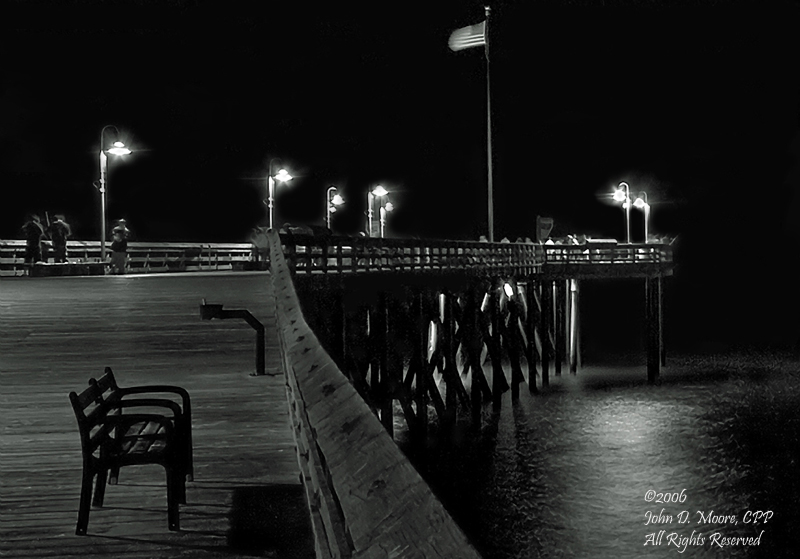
x: 112, y: 437
x: 112, y: 393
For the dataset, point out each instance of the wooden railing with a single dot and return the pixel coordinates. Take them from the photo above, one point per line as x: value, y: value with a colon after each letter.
x: 365, y: 498
x: 608, y: 253
x: 320, y: 254
x: 142, y: 257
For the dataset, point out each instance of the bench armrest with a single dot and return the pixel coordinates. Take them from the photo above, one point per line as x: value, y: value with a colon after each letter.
x: 148, y: 402
x: 182, y: 392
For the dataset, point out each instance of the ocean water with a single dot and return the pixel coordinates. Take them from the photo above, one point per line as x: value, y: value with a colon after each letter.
x: 603, y: 465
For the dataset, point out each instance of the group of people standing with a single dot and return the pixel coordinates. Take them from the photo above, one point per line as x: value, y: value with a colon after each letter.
x: 58, y: 231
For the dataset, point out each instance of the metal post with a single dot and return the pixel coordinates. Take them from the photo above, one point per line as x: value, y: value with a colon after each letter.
x: 490, y: 186
x: 627, y: 212
x: 370, y: 197
x: 271, y: 186
x: 207, y: 312
x: 103, y: 171
x: 328, y: 204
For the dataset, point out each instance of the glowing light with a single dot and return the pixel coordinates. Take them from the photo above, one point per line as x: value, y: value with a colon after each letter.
x: 119, y: 149
x: 337, y: 201
x: 389, y: 206
x: 509, y: 290
x: 283, y: 176
x: 379, y: 191
x: 619, y: 195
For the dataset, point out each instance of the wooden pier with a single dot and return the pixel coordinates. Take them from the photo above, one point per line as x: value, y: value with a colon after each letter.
x: 55, y: 333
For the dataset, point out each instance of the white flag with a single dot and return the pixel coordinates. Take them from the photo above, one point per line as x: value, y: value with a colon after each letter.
x: 470, y: 36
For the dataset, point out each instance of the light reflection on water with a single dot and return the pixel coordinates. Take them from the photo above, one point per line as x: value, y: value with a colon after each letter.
x: 565, y: 474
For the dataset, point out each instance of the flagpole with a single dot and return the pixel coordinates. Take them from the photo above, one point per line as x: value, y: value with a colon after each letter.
x: 490, y: 197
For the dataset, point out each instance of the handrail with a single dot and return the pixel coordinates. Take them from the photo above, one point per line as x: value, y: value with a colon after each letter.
x: 143, y: 257
x: 311, y: 254
x: 365, y: 498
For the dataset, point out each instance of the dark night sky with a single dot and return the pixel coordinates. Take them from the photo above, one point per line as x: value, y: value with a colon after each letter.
x: 697, y: 104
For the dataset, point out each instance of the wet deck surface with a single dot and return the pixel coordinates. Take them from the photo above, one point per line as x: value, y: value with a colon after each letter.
x: 55, y: 333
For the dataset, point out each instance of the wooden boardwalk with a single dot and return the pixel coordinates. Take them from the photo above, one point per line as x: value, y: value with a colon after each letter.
x: 55, y: 333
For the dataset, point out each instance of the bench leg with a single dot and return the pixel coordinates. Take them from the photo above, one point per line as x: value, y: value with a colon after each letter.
x: 186, y: 437
x: 85, y: 505
x: 100, y: 488
x: 189, y: 458
x: 114, y: 475
x: 174, y: 479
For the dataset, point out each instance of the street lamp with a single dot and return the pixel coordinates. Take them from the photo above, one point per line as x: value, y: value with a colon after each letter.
x: 377, y: 191
x: 117, y: 149
x: 641, y: 203
x: 385, y: 210
x: 331, y: 203
x: 624, y: 196
x: 282, y: 176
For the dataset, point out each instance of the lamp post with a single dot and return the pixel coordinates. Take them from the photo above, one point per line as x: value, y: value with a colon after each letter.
x: 377, y: 191
x: 625, y: 198
x: 118, y: 149
x: 331, y: 203
x: 384, y: 211
x: 282, y: 176
x: 641, y: 203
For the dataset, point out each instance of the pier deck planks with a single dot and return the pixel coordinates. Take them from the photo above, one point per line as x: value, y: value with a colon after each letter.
x: 57, y: 332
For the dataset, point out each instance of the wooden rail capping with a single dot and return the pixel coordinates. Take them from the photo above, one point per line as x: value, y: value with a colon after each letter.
x: 365, y: 498
x: 84, y: 258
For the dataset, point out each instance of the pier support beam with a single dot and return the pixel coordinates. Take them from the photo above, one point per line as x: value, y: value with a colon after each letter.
x: 653, y: 327
x: 573, y: 339
x: 560, y: 293
x: 547, y: 318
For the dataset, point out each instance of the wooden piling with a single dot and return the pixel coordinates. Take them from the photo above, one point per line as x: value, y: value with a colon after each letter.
x: 531, y: 321
x: 653, y: 327
x: 560, y: 306
x: 499, y: 383
x: 662, y: 348
x: 512, y: 342
x: 547, y: 312
x: 449, y: 353
x: 574, y: 326
x: 384, y: 387
x: 419, y: 364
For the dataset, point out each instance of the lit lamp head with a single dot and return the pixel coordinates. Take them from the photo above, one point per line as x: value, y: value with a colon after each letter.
x: 283, y: 176
x: 379, y: 191
x: 620, y: 195
x: 119, y: 149
x: 337, y: 200
x: 641, y: 201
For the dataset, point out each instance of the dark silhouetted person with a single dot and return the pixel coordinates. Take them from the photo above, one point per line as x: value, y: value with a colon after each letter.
x: 119, y: 247
x: 121, y: 228
x: 59, y: 232
x: 119, y: 253
x: 33, y: 233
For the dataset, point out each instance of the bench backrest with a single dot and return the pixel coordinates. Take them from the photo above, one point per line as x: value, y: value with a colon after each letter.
x: 90, y: 411
x: 106, y: 383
